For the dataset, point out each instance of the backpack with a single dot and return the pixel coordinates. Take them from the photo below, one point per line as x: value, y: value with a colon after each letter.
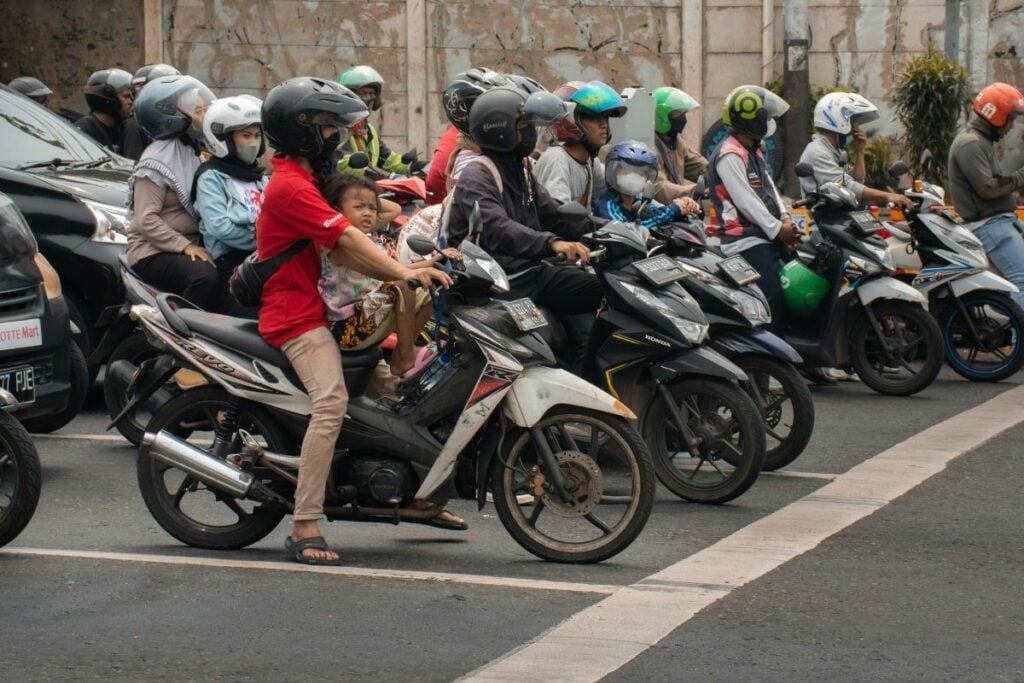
x: 247, y: 282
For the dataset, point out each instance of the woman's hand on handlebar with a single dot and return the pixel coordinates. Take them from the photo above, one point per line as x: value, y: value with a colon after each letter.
x: 194, y: 251
x: 573, y: 251
x: 450, y: 253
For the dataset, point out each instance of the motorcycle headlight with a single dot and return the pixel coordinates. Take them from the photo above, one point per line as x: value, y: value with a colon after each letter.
x: 752, y: 308
x: 693, y: 332
x: 864, y: 265
x: 882, y: 254
x: 111, y: 222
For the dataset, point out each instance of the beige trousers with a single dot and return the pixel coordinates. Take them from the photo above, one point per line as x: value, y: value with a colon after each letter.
x: 316, y: 360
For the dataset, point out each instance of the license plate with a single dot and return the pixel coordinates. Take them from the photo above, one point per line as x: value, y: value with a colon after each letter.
x: 738, y: 270
x: 659, y: 270
x: 20, y: 334
x: 525, y: 314
x: 20, y: 382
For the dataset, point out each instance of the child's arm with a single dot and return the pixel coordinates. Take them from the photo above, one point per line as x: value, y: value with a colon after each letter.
x: 389, y: 211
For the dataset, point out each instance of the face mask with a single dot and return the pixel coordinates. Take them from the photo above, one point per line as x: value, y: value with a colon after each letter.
x: 630, y: 183
x: 843, y: 141
x: 331, y: 143
x: 248, y: 154
x: 676, y: 125
x: 528, y: 140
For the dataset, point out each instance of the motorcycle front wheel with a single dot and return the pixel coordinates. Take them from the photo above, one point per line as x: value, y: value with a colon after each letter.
x: 20, y: 478
x: 188, y: 509
x: 606, y: 493
x: 908, y: 355
x: 786, y: 407
x: 730, y: 452
x: 985, y: 345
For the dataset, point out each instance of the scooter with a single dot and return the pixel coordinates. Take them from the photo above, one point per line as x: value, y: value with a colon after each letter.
x: 20, y: 474
x: 726, y: 290
x: 982, y: 327
x: 214, y: 473
x: 867, y: 320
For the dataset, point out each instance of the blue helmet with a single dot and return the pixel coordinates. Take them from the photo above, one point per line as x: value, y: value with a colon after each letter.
x: 630, y: 165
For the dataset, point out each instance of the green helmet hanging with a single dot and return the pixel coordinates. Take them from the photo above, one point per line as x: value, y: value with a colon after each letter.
x: 670, y: 105
x: 802, y: 288
x: 361, y: 76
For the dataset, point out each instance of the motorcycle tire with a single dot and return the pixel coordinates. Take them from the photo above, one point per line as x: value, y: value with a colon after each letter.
x: 781, y: 449
x: 897, y: 317
x: 78, y: 380
x: 183, y: 416
x: 606, y: 467
x: 20, y: 478
x: 978, y: 306
x: 732, y: 433
x: 135, y: 348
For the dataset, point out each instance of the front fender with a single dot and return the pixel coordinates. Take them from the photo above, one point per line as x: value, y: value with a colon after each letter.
x: 984, y: 279
x: 539, y: 389
x: 888, y: 288
x: 697, y: 361
x: 760, y: 342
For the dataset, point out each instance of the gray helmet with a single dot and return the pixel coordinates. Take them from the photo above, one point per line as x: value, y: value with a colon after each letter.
x: 166, y: 105
x: 150, y: 72
x: 494, y: 118
x: 30, y: 87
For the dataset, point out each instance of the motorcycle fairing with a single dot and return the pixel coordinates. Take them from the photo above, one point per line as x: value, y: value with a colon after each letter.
x: 700, y: 361
x: 985, y: 279
x: 888, y: 288
x: 532, y: 396
x: 760, y: 342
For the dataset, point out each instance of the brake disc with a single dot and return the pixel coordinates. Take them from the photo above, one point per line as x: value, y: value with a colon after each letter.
x: 583, y: 482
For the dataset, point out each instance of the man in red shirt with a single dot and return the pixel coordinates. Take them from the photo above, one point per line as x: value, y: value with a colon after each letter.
x: 303, y: 119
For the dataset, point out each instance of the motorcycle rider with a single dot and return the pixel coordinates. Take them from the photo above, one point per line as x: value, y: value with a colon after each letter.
x: 750, y: 208
x: 304, y: 120
x: 520, y: 224
x: 108, y: 93
x: 981, y: 192
x: 629, y: 167
x: 838, y: 118
x: 32, y: 88
x: 135, y: 139
x: 571, y: 171
x: 365, y: 82
x: 680, y: 165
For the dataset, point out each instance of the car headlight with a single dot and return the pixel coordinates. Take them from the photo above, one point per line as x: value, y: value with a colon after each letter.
x: 883, y: 254
x: 111, y: 222
x: 693, y: 332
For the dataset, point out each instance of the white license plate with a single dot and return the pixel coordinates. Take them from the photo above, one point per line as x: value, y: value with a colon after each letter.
x: 20, y: 334
x: 21, y: 382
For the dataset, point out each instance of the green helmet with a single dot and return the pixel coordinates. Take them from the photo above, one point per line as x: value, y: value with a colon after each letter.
x: 356, y: 77
x: 802, y: 288
x: 670, y: 107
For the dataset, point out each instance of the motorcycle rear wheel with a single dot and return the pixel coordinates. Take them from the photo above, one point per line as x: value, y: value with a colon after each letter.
x: 606, y: 467
x: 186, y: 508
x: 135, y: 348
x: 907, y: 327
x: 781, y: 396
x: 20, y: 478
x: 998, y: 319
x: 732, y: 450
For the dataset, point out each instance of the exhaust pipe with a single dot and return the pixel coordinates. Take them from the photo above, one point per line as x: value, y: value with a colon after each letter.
x: 208, y: 469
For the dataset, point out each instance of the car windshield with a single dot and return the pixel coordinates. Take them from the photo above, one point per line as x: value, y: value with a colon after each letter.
x: 32, y: 134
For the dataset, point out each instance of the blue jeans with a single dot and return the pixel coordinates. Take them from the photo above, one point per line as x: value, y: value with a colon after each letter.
x: 1004, y: 243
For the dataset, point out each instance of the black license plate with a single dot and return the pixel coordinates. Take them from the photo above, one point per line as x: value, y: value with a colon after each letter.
x: 659, y: 270
x: 20, y: 382
x: 525, y: 314
x: 738, y: 270
x: 865, y: 222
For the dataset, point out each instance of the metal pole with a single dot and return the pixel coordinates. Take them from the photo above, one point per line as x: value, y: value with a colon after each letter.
x: 952, y: 41
x: 796, y: 88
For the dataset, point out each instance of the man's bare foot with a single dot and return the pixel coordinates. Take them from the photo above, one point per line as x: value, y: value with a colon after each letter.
x: 308, y: 529
x: 444, y: 516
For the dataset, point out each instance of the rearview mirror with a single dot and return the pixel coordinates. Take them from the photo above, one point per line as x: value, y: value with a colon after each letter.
x: 804, y: 170
x: 898, y: 168
x: 701, y: 188
x: 573, y: 210
x: 421, y: 245
x: 358, y: 160
x: 926, y: 157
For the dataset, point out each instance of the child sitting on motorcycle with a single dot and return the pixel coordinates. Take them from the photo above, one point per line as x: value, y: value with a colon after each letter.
x: 362, y: 311
x: 630, y: 170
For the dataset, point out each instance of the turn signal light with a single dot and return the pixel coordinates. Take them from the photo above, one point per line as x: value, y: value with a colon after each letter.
x: 917, y: 185
x: 51, y: 281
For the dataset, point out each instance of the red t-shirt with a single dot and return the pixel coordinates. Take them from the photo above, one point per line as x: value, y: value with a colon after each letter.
x: 293, y: 209
x: 437, y: 176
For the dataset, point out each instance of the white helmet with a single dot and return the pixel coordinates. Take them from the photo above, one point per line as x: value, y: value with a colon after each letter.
x: 839, y: 112
x: 227, y: 115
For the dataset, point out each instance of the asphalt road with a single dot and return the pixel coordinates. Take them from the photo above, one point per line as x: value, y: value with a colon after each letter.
x: 926, y: 588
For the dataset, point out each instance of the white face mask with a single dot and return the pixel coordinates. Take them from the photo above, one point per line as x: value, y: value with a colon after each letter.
x: 631, y: 183
x: 771, y: 128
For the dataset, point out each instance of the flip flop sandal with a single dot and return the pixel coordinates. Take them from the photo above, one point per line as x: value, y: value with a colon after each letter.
x: 429, y: 516
x: 424, y: 357
x: 442, y: 524
x: 295, y: 549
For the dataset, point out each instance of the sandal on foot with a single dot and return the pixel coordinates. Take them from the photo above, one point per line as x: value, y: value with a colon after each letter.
x: 429, y: 516
x: 424, y: 357
x: 295, y: 549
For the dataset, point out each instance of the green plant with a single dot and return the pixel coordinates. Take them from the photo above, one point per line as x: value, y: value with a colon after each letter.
x: 878, y: 156
x: 930, y: 98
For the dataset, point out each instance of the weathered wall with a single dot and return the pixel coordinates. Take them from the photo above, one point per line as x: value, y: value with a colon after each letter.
x: 61, y: 42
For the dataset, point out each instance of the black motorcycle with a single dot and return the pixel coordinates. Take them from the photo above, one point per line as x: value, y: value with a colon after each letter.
x: 20, y: 475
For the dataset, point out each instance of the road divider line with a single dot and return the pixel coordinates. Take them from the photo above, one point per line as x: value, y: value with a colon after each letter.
x: 350, y: 572
x: 608, y: 635
x: 800, y: 475
x: 85, y: 437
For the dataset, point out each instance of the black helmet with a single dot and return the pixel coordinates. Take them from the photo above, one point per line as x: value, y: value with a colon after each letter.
x: 752, y: 109
x: 528, y: 85
x: 30, y: 87
x: 150, y: 72
x: 166, y: 105
x: 102, y: 88
x: 462, y: 91
x: 294, y: 111
x: 494, y: 118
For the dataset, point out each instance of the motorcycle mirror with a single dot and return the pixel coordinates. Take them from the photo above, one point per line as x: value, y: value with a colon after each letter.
x: 474, y: 220
x: 410, y: 156
x: 926, y: 157
x: 701, y: 188
x: 573, y: 209
x: 844, y: 158
x: 898, y: 168
x: 421, y: 245
x: 804, y: 170
x: 358, y: 160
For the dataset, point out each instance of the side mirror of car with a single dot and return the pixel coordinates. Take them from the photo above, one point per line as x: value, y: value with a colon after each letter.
x: 421, y: 245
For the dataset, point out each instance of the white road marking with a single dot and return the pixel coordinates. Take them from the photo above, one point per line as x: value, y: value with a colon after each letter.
x: 285, y: 566
x: 800, y: 475
x: 604, y: 637
x: 85, y: 437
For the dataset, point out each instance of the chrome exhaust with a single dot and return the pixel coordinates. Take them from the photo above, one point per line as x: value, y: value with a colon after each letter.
x: 208, y: 469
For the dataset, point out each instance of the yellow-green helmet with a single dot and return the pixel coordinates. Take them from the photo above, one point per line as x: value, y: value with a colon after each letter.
x: 752, y: 109
x: 670, y: 107
x: 802, y: 288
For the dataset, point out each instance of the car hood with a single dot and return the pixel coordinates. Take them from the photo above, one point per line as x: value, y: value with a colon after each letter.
x: 104, y: 185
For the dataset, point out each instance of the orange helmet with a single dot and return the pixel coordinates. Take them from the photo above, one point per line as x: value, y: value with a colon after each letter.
x: 997, y: 102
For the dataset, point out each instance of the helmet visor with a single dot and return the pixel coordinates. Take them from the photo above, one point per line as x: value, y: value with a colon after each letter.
x: 630, y: 179
x: 195, y: 100
x: 774, y: 105
x: 543, y: 109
